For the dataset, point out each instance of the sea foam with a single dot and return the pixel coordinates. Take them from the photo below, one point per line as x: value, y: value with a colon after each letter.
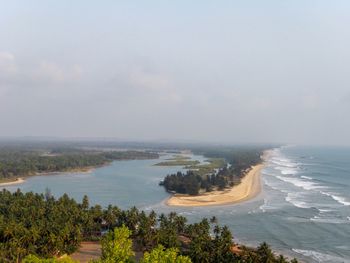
x: 307, y: 185
x: 319, y: 257
x: 339, y: 199
x: 267, y: 206
x: 286, y: 164
x: 326, y: 220
x: 286, y: 171
x: 292, y: 198
x: 306, y: 177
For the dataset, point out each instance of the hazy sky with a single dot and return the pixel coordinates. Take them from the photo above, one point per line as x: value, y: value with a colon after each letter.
x: 234, y: 71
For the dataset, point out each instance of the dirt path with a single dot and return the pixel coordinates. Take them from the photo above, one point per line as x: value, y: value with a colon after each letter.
x: 87, y: 252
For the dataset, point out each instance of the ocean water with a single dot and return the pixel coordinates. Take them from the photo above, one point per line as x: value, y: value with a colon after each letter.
x: 309, y: 189
x: 303, y: 210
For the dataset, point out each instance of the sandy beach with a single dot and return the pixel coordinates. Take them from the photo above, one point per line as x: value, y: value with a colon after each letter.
x: 20, y: 180
x: 16, y: 181
x: 249, y: 188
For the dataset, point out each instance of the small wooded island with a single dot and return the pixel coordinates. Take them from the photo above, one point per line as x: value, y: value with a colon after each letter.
x: 225, y: 170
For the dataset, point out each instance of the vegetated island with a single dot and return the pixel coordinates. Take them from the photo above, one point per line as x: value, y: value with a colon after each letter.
x: 178, y: 160
x: 38, y: 228
x: 234, y: 178
x: 18, y: 163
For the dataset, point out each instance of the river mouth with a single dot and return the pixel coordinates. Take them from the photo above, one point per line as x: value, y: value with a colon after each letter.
x: 303, y: 203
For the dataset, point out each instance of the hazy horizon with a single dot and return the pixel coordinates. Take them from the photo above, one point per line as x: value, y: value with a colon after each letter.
x: 235, y: 72
x: 135, y: 142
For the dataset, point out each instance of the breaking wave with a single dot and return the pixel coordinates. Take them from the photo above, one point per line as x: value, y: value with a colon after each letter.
x: 292, y: 198
x: 339, y: 199
x: 319, y: 257
x: 307, y: 185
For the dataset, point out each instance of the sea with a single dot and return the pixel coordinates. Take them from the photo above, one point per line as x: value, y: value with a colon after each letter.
x: 303, y: 210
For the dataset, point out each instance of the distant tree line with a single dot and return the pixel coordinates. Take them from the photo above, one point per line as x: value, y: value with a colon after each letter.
x: 15, y: 163
x: 44, y: 227
x: 190, y: 182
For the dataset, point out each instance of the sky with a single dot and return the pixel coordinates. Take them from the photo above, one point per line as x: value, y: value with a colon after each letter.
x: 209, y: 71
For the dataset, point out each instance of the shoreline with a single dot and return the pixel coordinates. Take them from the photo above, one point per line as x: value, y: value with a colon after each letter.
x: 248, y: 188
x: 22, y: 179
x: 18, y: 180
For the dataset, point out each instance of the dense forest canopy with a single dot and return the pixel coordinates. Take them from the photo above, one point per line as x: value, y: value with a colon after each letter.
x: 28, y: 160
x: 43, y: 227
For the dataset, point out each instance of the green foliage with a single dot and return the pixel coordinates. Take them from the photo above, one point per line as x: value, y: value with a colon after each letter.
x: 32, y: 224
x: 170, y: 227
x: 266, y: 253
x: 205, y: 248
x: 215, y: 175
x: 15, y: 163
x: 35, y: 259
x: 161, y: 255
x: 48, y: 228
x: 178, y: 162
x: 117, y: 246
x: 263, y: 254
x: 200, y: 248
x: 184, y: 183
x: 209, y: 167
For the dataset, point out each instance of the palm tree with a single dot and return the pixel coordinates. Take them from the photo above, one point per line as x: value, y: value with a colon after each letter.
x: 265, y: 253
x: 214, y: 220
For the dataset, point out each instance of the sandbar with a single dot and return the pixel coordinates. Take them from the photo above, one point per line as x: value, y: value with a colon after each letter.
x: 248, y: 188
x: 15, y: 181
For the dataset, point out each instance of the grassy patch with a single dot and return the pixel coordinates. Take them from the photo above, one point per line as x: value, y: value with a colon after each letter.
x: 204, y: 169
x: 179, y: 162
x: 179, y: 158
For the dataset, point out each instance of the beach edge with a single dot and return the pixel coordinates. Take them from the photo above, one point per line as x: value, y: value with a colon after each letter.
x: 249, y: 188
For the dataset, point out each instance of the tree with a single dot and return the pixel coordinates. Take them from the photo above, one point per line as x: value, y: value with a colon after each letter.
x: 48, y: 193
x: 200, y: 249
x: 117, y: 246
x: 265, y: 253
x: 222, y: 245
x: 161, y: 255
x: 281, y: 259
x: 214, y: 220
x: 31, y: 224
x: 35, y: 259
x: 85, y: 203
x: 146, y: 235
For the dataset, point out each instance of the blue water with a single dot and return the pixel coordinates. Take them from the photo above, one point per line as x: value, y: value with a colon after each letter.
x: 123, y: 183
x: 303, y: 210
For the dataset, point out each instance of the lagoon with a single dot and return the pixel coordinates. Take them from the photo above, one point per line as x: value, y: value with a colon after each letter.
x: 303, y: 210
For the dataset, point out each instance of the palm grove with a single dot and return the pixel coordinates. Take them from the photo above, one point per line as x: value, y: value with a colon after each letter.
x: 35, y: 226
